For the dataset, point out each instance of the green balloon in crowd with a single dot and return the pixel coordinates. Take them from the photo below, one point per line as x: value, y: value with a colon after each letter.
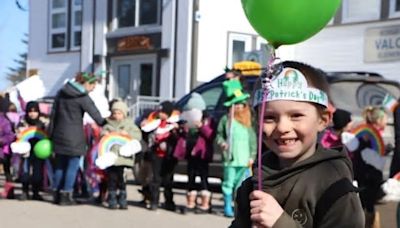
x: 43, y: 149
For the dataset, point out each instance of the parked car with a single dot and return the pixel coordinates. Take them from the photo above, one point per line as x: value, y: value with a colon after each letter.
x: 351, y: 91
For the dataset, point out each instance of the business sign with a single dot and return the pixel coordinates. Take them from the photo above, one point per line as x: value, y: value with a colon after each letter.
x: 134, y: 44
x: 382, y: 44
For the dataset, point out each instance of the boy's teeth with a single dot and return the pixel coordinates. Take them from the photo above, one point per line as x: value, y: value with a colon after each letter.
x: 286, y: 141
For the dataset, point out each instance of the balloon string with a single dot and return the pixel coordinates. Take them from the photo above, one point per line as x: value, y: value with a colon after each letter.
x: 266, y: 84
x: 259, y: 147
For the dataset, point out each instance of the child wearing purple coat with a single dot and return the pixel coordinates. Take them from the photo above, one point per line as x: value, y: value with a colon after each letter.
x: 7, y: 136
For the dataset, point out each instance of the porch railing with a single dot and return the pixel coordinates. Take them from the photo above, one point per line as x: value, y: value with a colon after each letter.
x: 144, y: 103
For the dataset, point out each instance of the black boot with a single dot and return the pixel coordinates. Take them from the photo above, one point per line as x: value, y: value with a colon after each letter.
x: 155, y: 198
x: 112, y: 200
x: 35, y: 190
x: 25, y: 192
x: 24, y: 196
x: 56, y: 196
x: 123, y: 204
x: 170, y: 206
x: 37, y: 196
x: 66, y: 199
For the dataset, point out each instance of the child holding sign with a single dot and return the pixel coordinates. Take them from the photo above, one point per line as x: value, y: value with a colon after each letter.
x: 119, y: 123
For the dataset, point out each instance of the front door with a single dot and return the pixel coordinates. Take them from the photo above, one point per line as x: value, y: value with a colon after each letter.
x: 133, y: 76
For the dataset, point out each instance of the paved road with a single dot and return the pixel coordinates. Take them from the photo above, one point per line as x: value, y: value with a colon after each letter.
x: 14, y: 213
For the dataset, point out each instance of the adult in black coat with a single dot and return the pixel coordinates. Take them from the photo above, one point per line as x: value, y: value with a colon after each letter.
x: 67, y: 134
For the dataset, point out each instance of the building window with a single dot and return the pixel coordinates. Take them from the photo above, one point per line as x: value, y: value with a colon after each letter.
x: 361, y: 10
x: 394, y: 8
x: 135, y: 13
x: 76, y: 25
x: 238, y: 44
x: 146, y: 79
x: 124, y: 80
x: 65, y: 25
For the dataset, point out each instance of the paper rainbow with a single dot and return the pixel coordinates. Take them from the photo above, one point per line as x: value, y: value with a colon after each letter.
x: 31, y: 133
x: 107, y: 141
x: 368, y: 132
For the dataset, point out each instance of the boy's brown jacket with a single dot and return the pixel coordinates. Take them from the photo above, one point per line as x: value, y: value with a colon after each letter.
x: 298, y: 189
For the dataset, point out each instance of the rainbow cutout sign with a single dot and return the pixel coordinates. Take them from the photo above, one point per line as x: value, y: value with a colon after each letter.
x: 31, y: 133
x: 368, y: 132
x: 107, y: 141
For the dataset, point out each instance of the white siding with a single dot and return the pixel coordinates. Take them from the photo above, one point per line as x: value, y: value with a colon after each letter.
x: 56, y: 67
x: 217, y: 18
x: 100, y: 47
x: 184, y: 48
x: 341, y: 48
x: 168, y: 41
x: 87, y: 35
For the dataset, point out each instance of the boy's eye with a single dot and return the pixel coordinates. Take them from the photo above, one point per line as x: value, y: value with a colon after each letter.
x: 269, y: 118
x: 297, y: 115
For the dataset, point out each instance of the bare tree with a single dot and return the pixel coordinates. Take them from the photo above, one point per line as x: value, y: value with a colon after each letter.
x: 17, y: 73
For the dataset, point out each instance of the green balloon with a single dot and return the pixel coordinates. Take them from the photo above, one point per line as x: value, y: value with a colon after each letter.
x: 283, y: 22
x: 43, y: 149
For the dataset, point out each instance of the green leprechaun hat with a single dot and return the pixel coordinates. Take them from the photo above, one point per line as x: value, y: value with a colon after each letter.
x: 233, y: 91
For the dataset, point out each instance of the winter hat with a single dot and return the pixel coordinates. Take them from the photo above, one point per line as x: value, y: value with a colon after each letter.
x: 32, y: 105
x: 196, y: 101
x: 121, y: 106
x: 234, y: 93
x: 340, y: 119
x: 89, y: 77
x: 167, y: 107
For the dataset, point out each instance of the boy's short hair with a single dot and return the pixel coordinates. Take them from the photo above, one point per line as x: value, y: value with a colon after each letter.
x: 340, y: 119
x: 167, y: 107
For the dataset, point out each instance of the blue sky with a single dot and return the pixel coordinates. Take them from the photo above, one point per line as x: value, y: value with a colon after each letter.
x: 13, y: 26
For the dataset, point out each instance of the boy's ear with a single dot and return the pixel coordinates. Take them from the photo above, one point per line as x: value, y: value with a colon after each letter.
x: 325, y: 120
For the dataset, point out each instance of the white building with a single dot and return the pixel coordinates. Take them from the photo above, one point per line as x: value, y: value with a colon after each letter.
x: 364, y: 36
x: 149, y: 47
x: 165, y: 47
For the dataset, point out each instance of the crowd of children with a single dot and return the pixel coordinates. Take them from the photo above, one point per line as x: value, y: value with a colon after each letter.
x: 306, y: 174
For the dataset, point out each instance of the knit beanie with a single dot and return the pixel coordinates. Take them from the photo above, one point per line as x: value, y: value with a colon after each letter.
x: 167, y: 107
x: 340, y: 119
x: 121, y: 106
x: 32, y: 105
x: 196, y: 101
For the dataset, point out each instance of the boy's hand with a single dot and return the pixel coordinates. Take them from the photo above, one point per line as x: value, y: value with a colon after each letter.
x: 264, y: 209
x: 224, y: 146
x: 251, y: 162
x: 198, y: 124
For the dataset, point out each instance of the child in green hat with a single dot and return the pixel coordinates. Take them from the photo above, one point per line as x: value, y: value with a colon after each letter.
x: 237, y: 140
